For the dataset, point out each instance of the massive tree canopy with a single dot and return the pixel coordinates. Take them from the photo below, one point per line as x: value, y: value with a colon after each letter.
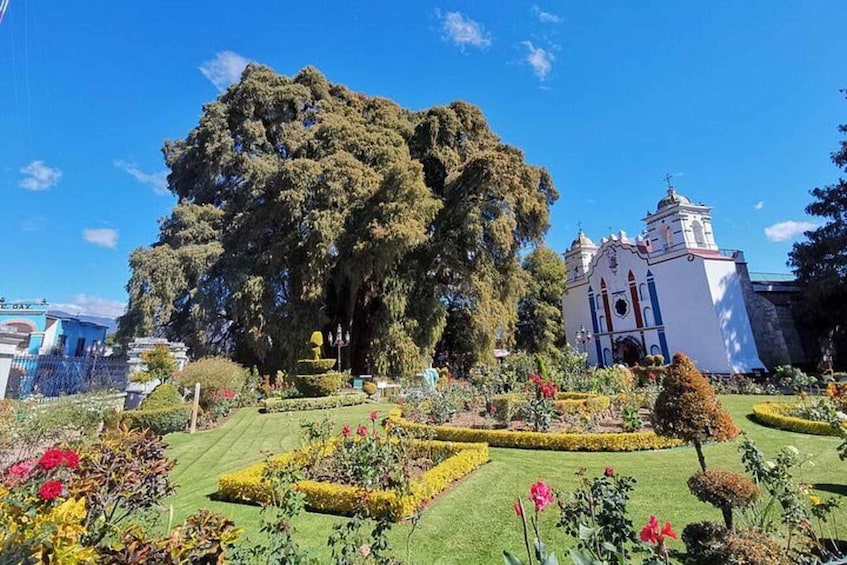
x: 541, y: 326
x: 820, y: 263
x: 303, y: 205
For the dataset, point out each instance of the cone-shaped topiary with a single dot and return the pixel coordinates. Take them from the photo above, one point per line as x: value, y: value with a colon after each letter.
x: 724, y: 489
x: 687, y: 408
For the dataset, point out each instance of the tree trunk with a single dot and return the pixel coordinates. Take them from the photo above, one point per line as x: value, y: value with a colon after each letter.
x: 727, y: 516
x: 700, y: 456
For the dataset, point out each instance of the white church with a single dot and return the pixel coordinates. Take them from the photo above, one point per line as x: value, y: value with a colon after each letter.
x: 669, y: 290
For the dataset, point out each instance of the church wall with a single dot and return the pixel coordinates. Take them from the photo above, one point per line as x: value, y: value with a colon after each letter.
x: 734, y: 324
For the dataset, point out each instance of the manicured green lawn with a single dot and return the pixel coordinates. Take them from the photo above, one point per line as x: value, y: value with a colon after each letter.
x: 474, y: 521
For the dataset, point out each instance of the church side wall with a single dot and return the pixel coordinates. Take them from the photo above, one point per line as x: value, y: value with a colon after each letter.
x: 576, y: 313
x: 728, y: 299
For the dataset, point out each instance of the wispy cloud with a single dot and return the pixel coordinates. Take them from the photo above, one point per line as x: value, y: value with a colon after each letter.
x: 38, y: 176
x: 158, y: 181
x: 225, y: 69
x: 461, y: 30
x: 539, y: 59
x: 789, y: 229
x: 759, y: 205
x: 545, y: 17
x: 92, y: 306
x: 104, y: 237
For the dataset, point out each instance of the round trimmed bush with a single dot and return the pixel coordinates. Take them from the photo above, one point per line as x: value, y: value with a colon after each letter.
x: 163, y: 396
x: 314, y: 366
x: 369, y: 388
x: 703, y: 542
x: 724, y: 489
x: 213, y: 374
x: 319, y: 385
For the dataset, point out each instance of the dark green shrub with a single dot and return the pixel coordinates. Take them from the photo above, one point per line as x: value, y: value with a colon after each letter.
x: 163, y: 396
x: 272, y: 405
x: 703, y: 542
x: 161, y: 421
x: 213, y: 374
x: 506, y: 406
x: 319, y: 385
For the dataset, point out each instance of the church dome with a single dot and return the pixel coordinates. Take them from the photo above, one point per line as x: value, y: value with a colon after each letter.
x: 672, y: 199
x: 582, y: 241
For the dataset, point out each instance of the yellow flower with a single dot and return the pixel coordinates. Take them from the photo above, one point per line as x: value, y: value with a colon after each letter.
x: 815, y: 500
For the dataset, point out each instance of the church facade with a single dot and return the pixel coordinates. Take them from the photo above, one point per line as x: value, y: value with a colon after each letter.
x: 671, y: 289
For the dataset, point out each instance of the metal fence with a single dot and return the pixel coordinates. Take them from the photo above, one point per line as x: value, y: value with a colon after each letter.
x: 55, y: 375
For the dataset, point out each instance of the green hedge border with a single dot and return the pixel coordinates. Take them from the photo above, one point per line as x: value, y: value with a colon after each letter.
x: 160, y: 421
x: 772, y: 415
x: 275, y: 405
x: 635, y: 441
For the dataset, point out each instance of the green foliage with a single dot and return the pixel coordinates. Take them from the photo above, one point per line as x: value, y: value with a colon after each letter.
x: 272, y: 405
x: 540, y: 324
x: 319, y: 385
x: 314, y: 366
x: 160, y: 421
x: 159, y: 363
x: 213, y: 374
x: 301, y: 201
x: 165, y: 395
x: 369, y: 388
x: 316, y: 340
x: 704, y: 542
x: 612, y: 380
x: 793, y: 378
x: 630, y: 419
x: 351, y: 545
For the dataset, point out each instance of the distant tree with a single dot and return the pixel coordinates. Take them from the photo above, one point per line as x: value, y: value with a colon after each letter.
x: 687, y: 408
x: 820, y: 263
x: 302, y: 203
x: 540, y: 322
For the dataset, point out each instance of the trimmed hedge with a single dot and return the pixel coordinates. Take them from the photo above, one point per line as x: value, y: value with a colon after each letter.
x: 314, y: 366
x: 567, y: 402
x: 160, y: 421
x: 634, y: 441
x: 272, y: 405
x: 773, y: 415
x: 319, y: 385
x: 165, y: 395
x: 247, y: 486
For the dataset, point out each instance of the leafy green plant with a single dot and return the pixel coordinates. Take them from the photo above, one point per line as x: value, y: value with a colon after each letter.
x: 351, y: 545
x: 630, y: 419
x: 323, y: 384
x: 542, y: 496
x: 161, y: 421
x: 165, y: 395
x: 540, y: 409
x: 213, y: 374
x: 793, y: 378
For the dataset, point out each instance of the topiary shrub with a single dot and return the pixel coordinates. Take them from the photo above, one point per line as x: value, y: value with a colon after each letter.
x: 369, y: 388
x: 506, y: 406
x: 753, y: 548
x: 319, y: 385
x: 213, y: 374
x: 163, y: 396
x: 688, y: 409
x: 724, y: 489
x: 160, y: 421
x: 703, y: 542
x: 314, y: 366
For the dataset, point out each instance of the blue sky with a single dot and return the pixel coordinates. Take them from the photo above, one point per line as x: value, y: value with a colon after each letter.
x: 739, y: 100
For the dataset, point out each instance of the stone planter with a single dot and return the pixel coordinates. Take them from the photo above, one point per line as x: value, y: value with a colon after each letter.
x: 137, y: 392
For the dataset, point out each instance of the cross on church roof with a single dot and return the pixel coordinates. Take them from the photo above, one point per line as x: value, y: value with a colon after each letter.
x: 668, y: 178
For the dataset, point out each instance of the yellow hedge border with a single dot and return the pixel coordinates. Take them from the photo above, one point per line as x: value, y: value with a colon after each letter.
x: 635, y: 441
x: 246, y: 485
x: 773, y: 415
x: 570, y: 401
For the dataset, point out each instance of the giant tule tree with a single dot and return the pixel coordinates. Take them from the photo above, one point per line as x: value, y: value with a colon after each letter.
x: 541, y: 326
x: 820, y: 264
x: 303, y: 205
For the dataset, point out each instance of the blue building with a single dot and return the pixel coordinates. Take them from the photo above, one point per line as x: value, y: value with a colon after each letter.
x: 52, y: 332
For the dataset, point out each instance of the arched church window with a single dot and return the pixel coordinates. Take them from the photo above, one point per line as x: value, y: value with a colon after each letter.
x: 642, y: 291
x: 648, y: 316
x: 699, y: 234
x: 655, y: 350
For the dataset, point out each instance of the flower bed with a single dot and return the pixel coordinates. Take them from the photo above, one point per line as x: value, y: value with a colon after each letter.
x: 773, y: 415
x: 246, y: 485
x: 634, y: 441
x: 315, y: 403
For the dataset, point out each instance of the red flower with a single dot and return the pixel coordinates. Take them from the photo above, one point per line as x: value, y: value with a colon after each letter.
x: 374, y: 415
x: 519, y: 508
x: 536, y: 379
x: 541, y: 494
x: 50, y: 490
x: 609, y: 472
x: 651, y: 376
x: 362, y: 430
x: 345, y: 431
x: 51, y: 459
x: 71, y: 459
x: 651, y: 533
x: 493, y: 409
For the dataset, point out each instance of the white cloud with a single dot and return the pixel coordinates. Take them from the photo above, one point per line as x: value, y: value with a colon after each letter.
x: 38, y: 176
x: 158, y: 181
x: 545, y: 17
x: 104, y: 237
x: 789, y: 229
x: 224, y: 69
x: 462, y: 30
x: 92, y: 306
x: 759, y: 205
x: 539, y: 59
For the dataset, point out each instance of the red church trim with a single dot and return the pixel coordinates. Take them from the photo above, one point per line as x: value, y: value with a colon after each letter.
x: 606, y: 307
x: 633, y: 292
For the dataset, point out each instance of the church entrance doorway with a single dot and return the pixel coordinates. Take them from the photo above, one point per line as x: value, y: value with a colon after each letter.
x: 628, y: 351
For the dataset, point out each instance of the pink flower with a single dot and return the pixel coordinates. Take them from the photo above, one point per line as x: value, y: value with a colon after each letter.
x: 541, y: 494
x: 50, y: 490
x: 374, y: 415
x: 20, y: 472
x: 609, y: 472
x: 362, y: 430
x: 345, y: 431
x: 365, y: 550
x: 51, y: 459
x: 651, y: 376
x: 493, y: 409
